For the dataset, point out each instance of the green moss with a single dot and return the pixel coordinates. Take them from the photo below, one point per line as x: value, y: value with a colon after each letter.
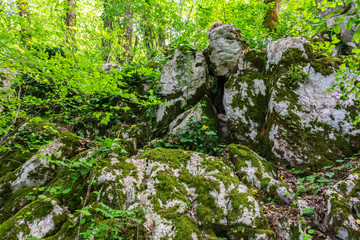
x: 293, y: 56
x: 29, y: 214
x: 326, y: 65
x: 173, y: 157
x: 70, y: 142
x: 185, y: 227
x: 256, y: 58
x: 14, y: 204
x: 13, y: 160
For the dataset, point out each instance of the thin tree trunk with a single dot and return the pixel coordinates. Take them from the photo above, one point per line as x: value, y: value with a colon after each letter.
x: 106, y: 43
x: 24, y: 13
x: 128, y: 35
x: 71, y: 21
x: 272, y: 15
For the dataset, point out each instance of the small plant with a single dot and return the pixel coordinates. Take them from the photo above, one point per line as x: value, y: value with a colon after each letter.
x: 200, y: 137
x: 296, y: 74
x: 117, y: 223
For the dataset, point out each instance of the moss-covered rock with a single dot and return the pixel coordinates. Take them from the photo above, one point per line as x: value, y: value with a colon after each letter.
x: 203, y: 112
x: 245, y: 104
x: 39, y: 219
x: 184, y: 81
x: 259, y: 173
x: 305, y: 126
x: 339, y: 216
x: 38, y: 169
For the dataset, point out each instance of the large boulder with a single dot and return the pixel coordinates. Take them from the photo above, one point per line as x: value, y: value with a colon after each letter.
x: 181, y: 194
x: 305, y: 125
x: 245, y: 98
x: 225, y: 49
x: 184, y: 81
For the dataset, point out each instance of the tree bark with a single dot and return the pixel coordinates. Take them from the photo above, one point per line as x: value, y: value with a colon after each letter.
x: 128, y: 35
x: 24, y: 13
x: 272, y: 15
x: 71, y: 21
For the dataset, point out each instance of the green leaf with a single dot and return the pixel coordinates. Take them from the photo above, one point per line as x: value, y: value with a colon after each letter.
x: 357, y: 36
x: 42, y: 196
x: 337, y: 28
x: 330, y: 175
x: 308, y: 211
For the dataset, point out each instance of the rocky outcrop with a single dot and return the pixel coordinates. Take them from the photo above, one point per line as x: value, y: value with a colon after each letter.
x: 306, y: 126
x: 181, y: 194
x: 259, y: 173
x: 184, y: 81
x: 225, y: 50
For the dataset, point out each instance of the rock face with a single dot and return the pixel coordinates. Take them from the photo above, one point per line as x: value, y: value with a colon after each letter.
x: 183, y: 195
x: 259, y: 172
x: 245, y: 100
x: 306, y: 126
x: 185, y: 80
x: 225, y: 50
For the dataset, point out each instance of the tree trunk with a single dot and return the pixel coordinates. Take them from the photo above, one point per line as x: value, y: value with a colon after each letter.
x: 70, y: 21
x: 128, y: 35
x: 272, y: 15
x: 24, y: 13
x: 108, y: 24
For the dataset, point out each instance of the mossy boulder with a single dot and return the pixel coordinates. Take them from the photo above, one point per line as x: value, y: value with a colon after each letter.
x: 203, y: 112
x: 245, y: 104
x: 38, y: 169
x: 183, y: 193
x: 339, y: 216
x: 259, y: 173
x: 185, y: 79
x: 225, y: 50
x: 305, y: 126
x: 39, y: 219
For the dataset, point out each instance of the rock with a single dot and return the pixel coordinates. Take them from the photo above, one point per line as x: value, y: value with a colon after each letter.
x: 5, y: 77
x: 225, y: 49
x: 346, y: 12
x: 339, y: 217
x: 259, y: 173
x: 306, y: 126
x: 108, y: 67
x: 183, y: 194
x: 38, y: 165
x: 184, y: 81
x: 276, y: 49
x: 39, y: 219
x: 203, y: 112
x: 245, y: 99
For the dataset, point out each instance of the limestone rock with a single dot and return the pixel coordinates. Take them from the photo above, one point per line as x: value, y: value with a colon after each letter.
x: 259, y: 173
x: 203, y: 112
x: 183, y: 194
x: 306, y: 126
x: 225, y: 49
x: 184, y: 81
x: 339, y: 217
x: 39, y: 219
x: 108, y: 67
x: 38, y: 165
